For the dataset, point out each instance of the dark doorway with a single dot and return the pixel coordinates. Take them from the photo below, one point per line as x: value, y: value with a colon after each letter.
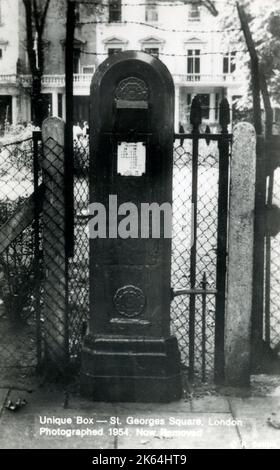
x: 81, y: 109
x: 46, y: 103
x: 205, y: 104
x: 5, y: 110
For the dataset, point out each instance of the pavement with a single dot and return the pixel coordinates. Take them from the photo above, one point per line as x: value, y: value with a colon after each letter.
x: 55, y: 419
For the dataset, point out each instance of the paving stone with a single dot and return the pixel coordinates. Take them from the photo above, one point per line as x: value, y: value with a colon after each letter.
x: 255, y: 431
x: 23, y: 429
x: 210, y: 405
x: 254, y: 405
x: 202, y: 432
x: 77, y: 402
x: 205, y: 429
x: 3, y: 396
x: 174, y: 407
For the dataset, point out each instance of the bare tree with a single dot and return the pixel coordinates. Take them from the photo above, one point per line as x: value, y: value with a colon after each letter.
x: 35, y: 20
x: 211, y: 7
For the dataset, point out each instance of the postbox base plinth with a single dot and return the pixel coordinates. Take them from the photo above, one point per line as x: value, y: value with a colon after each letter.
x: 135, y: 370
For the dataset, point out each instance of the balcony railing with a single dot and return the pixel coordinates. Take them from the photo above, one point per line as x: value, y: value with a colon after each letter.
x: 79, y: 79
x: 83, y: 80
x: 8, y: 79
x: 53, y: 80
x: 203, y: 78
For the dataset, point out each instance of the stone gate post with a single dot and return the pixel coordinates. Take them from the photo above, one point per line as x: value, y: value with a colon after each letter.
x: 240, y: 256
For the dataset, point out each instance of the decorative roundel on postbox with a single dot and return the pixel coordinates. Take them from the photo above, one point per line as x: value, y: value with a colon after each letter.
x: 129, y: 301
x: 132, y: 89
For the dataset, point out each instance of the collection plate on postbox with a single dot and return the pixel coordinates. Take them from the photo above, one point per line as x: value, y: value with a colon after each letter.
x: 129, y: 354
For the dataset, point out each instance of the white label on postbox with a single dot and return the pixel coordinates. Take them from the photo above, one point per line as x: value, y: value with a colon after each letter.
x: 131, y: 158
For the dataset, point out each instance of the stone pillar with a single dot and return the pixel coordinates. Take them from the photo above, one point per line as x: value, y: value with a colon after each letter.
x: 26, y: 109
x: 14, y: 109
x: 55, y: 104
x: 55, y: 262
x: 212, y: 107
x: 240, y: 256
x: 63, y: 106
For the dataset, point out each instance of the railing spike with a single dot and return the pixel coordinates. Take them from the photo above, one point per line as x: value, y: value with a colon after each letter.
x: 207, y: 132
x: 181, y: 131
x: 204, y: 281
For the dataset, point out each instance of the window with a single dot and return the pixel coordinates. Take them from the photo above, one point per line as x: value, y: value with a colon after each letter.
x: 60, y: 104
x: 193, y: 64
x: 76, y: 61
x: 276, y: 112
x: 115, y: 11
x: 152, y: 45
x: 204, y: 99
x: 114, y: 50
x: 229, y: 62
x: 217, y: 99
x: 5, y: 110
x: 154, y: 51
x: 1, y: 53
x: 77, y: 13
x: 114, y: 44
x: 151, y: 12
x: 46, y: 106
x: 89, y: 69
x: 189, y: 100
x: 194, y: 12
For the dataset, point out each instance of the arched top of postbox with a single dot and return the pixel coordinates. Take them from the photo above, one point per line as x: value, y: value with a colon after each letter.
x: 120, y: 60
x: 132, y: 92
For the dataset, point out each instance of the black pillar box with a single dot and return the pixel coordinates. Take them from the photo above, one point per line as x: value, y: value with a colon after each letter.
x: 129, y: 354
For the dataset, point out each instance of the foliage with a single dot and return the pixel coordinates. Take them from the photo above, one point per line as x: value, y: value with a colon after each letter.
x: 16, y: 153
x: 264, y: 23
x: 266, y: 32
x: 17, y: 270
x: 35, y: 15
x: 16, y: 133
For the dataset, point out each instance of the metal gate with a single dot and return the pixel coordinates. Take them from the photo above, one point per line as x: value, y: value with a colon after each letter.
x: 201, y: 164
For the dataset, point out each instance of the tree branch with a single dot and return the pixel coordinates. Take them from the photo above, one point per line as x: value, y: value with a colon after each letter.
x: 210, y: 6
x: 36, y: 16
x: 29, y: 36
x: 35, y: 19
x: 44, y: 14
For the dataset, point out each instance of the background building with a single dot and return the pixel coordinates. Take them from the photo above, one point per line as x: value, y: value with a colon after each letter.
x: 9, y: 53
x: 53, y: 83
x: 187, y: 38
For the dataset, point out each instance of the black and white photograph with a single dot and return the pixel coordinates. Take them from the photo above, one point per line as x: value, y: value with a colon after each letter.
x: 140, y: 227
